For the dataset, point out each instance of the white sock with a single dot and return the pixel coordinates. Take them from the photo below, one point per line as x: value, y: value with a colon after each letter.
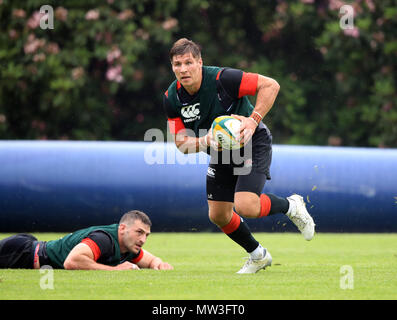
x: 258, y: 253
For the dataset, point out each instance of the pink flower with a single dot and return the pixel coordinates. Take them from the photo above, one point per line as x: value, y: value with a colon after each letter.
x: 370, y: 5
x: 52, y: 48
x: 39, y: 57
x: 169, y: 24
x: 77, y: 73
x: 354, y: 32
x: 92, y: 15
x: 13, y: 34
x: 125, y: 15
x: 61, y: 14
x: 19, y: 13
x: 140, y: 33
x: 380, y: 21
x: 34, y: 20
x: 114, y: 74
x: 33, y: 44
x: 113, y: 54
x: 335, y: 4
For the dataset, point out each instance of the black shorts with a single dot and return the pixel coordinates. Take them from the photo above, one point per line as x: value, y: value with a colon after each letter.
x: 243, y: 170
x: 17, y: 251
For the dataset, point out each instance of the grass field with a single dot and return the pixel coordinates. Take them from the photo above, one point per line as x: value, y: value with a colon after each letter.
x: 205, y: 266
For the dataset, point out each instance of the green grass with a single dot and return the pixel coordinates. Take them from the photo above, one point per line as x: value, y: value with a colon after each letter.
x: 205, y: 266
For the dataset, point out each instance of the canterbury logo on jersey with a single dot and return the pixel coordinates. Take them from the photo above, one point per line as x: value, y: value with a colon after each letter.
x: 191, y: 112
x: 211, y: 172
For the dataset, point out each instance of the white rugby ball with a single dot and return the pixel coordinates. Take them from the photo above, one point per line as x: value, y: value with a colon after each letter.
x: 225, y: 130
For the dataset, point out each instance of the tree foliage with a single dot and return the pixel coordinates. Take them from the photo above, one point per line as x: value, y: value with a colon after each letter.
x: 100, y: 73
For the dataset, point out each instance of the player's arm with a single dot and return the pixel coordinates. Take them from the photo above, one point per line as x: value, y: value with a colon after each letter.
x: 185, y: 143
x: 82, y: 257
x: 98, y: 244
x: 150, y: 261
x: 266, y: 93
x: 239, y: 84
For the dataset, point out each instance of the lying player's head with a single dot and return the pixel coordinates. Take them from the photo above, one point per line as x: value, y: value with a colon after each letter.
x: 130, y: 217
x: 134, y: 228
x: 185, y: 56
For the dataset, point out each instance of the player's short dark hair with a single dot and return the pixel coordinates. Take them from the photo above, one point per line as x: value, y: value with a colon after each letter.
x: 129, y: 218
x: 183, y: 46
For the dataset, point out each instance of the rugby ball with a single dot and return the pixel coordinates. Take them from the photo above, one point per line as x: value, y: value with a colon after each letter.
x: 225, y: 130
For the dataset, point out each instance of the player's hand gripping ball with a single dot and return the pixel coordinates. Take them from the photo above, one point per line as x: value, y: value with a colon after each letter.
x: 226, y: 131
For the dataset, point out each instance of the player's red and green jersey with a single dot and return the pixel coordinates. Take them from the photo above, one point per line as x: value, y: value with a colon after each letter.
x: 103, y: 241
x: 223, y: 91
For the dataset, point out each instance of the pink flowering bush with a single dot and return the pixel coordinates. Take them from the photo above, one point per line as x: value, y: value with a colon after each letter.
x: 87, y: 78
x: 102, y: 71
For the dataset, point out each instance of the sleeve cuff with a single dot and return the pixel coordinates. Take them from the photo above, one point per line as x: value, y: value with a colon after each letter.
x: 93, y: 246
x: 138, y: 258
x: 175, y: 125
x: 249, y: 83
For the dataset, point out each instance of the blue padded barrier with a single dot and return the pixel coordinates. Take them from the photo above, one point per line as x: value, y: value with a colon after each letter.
x: 66, y: 185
